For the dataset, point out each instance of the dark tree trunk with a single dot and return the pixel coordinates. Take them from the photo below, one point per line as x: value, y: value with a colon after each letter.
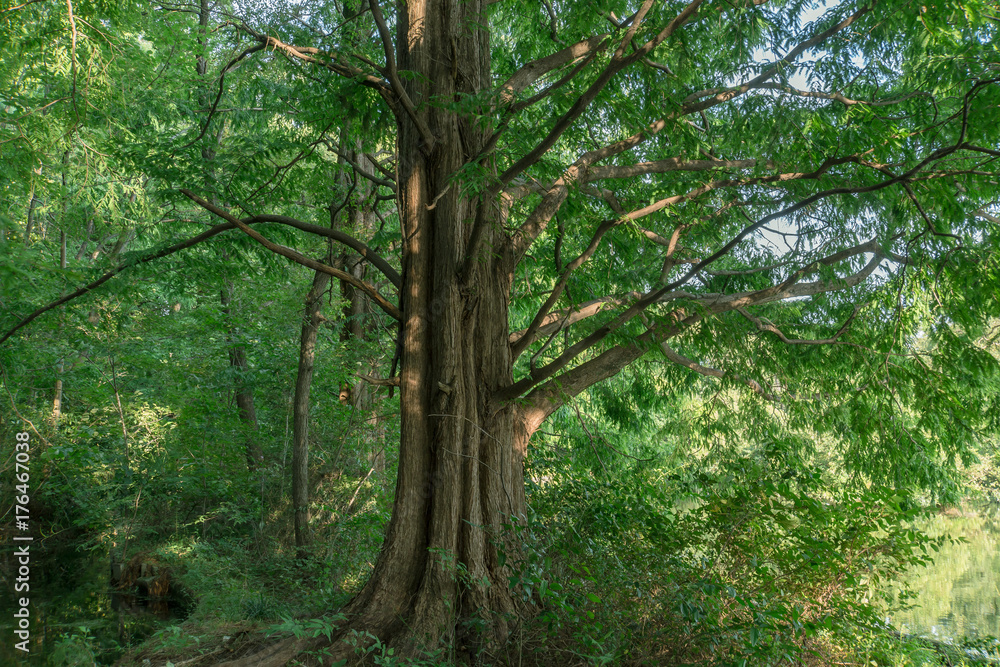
x: 30, y: 224
x: 311, y: 321
x: 242, y: 389
x: 460, y: 475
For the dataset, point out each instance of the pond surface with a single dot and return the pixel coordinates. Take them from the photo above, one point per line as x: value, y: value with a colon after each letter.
x: 959, y: 595
x: 71, y: 597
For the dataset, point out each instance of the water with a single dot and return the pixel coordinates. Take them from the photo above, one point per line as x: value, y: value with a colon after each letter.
x: 959, y: 595
x: 76, y: 615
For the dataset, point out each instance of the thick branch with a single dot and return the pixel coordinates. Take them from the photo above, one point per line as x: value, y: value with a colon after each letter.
x: 630, y: 33
x: 517, y: 107
x: 397, y: 86
x: 536, y: 69
x: 383, y: 303
x: 711, y: 304
x: 562, y: 319
x: 379, y: 382
x: 545, y: 399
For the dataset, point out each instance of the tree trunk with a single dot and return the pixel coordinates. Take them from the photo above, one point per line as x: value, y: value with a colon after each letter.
x: 460, y: 477
x: 354, y: 325
x: 439, y: 578
x: 86, y: 238
x: 243, y: 391
x: 300, y: 420
x: 359, y: 324
x: 30, y: 224
x: 57, y: 396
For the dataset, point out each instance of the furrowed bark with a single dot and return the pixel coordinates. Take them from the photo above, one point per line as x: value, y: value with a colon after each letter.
x: 459, y: 476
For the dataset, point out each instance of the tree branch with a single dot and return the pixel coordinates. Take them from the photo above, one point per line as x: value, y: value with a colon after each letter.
x: 346, y: 239
x: 544, y: 399
x: 334, y: 62
x: 397, y: 86
x: 556, y: 195
x: 557, y: 291
x: 770, y: 328
x: 222, y: 77
x: 712, y: 304
x: 756, y: 82
x: 630, y: 33
x: 17, y: 7
x: 561, y: 319
x: 536, y: 69
x: 673, y: 356
x: 547, y: 208
x: 580, y: 105
x: 389, y: 308
x: 669, y: 165
x: 388, y: 182
x: 379, y: 382
x: 835, y: 96
x: 217, y: 229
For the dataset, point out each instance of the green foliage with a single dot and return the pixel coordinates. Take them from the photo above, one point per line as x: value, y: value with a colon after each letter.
x: 260, y: 607
x: 369, y: 647
x: 757, y: 561
x: 325, y: 626
x: 73, y: 650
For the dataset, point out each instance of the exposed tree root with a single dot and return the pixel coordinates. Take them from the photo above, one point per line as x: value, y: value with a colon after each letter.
x: 275, y: 655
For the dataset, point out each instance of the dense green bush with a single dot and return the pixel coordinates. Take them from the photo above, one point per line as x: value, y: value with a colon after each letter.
x: 749, y: 564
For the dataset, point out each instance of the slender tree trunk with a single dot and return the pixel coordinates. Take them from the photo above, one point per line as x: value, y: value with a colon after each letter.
x: 30, y: 223
x: 123, y: 239
x: 243, y: 391
x: 311, y: 321
x: 121, y: 411
x: 359, y: 324
x: 58, y: 392
x: 86, y: 238
x: 237, y: 352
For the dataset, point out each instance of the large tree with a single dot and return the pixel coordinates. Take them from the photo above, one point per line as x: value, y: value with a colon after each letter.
x: 581, y: 184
